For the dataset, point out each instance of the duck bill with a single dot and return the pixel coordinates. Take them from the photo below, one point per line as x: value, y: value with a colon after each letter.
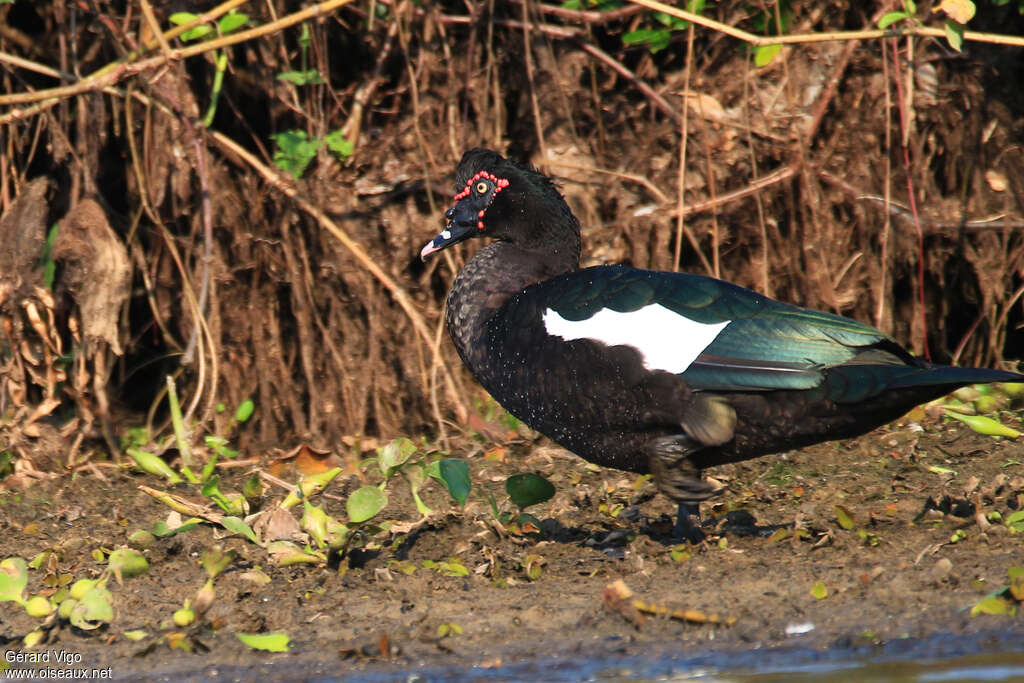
x: 456, y: 231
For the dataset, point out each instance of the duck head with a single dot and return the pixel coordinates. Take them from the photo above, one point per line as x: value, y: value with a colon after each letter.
x: 498, y: 198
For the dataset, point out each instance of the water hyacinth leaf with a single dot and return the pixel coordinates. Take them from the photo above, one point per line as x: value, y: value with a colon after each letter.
x: 93, y: 609
x: 268, y: 642
x: 984, y: 425
x: 844, y: 517
x: 455, y: 476
x: 528, y: 489
x: 13, y: 579
x: 819, y: 591
x: 365, y: 503
x: 237, y: 526
x: 126, y: 563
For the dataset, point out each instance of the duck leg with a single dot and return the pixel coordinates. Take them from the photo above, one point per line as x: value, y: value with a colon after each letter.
x: 685, y: 528
x: 678, y: 478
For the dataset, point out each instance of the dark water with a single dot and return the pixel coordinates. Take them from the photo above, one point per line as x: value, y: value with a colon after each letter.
x: 993, y: 656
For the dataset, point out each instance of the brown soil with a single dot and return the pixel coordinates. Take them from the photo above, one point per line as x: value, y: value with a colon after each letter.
x: 906, y: 579
x: 786, y: 169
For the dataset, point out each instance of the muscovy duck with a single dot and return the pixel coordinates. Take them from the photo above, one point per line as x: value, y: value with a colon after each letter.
x: 648, y: 371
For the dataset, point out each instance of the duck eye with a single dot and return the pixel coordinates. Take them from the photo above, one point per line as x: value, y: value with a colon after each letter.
x: 481, y: 187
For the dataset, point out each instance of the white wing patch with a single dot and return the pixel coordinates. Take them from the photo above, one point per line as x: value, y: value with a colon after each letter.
x: 666, y: 340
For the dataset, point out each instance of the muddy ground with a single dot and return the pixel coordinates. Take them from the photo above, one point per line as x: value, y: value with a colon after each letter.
x: 896, y: 575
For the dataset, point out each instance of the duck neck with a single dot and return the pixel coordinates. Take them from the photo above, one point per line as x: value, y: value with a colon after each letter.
x: 495, y: 274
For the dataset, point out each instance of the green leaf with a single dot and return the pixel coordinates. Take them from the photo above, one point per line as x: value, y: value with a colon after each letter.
x: 910, y: 6
x: 455, y: 475
x: 844, y: 517
x: 126, y: 563
x: 245, y: 410
x: 153, y: 464
x: 991, y: 605
x: 764, y: 55
x: 307, y: 77
x: 890, y: 18
x: 954, y: 34
x: 339, y: 145
x: 268, y: 642
x: 416, y: 475
x: 984, y: 425
x: 237, y: 526
x: 195, y: 33
x: 528, y: 489
x: 394, y: 455
x: 215, y: 561
x: 231, y: 22
x: 365, y: 503
x: 13, y: 579
x: 1015, y: 522
x: 160, y: 529
x: 655, y: 39
x: 294, y: 151
x: 92, y: 609
x: 819, y: 591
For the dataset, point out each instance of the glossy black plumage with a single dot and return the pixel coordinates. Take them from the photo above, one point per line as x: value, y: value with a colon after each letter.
x: 772, y: 376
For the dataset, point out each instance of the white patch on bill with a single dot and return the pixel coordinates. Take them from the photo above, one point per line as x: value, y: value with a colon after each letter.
x: 666, y: 340
x: 446, y: 234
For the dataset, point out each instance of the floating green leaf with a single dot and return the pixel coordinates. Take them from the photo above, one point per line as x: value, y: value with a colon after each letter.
x: 365, y: 503
x: 819, y: 591
x: 268, y: 642
x: 528, y: 489
x: 454, y: 475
